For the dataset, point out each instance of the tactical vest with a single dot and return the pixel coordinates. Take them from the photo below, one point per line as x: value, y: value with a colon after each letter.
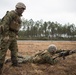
x: 15, y: 23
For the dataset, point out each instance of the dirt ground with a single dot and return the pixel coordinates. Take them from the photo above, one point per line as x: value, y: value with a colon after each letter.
x: 63, y: 67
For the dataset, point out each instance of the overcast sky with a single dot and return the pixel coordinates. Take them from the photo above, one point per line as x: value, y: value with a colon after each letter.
x: 62, y: 11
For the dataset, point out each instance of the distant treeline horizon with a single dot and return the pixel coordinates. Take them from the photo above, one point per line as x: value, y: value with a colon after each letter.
x: 46, y: 30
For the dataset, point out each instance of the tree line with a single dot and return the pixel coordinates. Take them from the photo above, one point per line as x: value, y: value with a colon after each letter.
x: 46, y: 30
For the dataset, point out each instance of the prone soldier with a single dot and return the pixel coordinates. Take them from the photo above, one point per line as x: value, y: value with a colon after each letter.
x: 40, y: 57
x: 47, y: 56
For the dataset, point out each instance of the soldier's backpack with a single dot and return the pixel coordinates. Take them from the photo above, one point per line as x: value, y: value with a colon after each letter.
x: 4, y: 16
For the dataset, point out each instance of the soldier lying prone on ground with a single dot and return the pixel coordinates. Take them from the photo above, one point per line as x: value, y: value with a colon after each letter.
x: 47, y: 56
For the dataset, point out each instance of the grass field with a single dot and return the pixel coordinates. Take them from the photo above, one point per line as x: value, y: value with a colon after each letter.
x: 63, y: 67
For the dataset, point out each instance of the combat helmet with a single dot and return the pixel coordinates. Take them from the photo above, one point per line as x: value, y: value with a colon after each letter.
x: 20, y: 5
x: 52, y: 48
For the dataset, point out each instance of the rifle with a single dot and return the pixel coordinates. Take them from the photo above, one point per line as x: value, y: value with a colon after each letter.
x: 65, y: 53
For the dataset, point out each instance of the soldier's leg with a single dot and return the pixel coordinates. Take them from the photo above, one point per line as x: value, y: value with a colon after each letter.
x: 14, y: 49
x: 3, y: 50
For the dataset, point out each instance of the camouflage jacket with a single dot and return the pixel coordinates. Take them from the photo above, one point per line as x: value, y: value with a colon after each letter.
x: 41, y: 58
x: 7, y: 21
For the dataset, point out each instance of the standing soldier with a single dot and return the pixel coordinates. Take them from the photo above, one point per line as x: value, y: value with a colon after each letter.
x: 11, y: 24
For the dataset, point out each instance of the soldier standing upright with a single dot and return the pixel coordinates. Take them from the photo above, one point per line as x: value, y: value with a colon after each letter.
x: 11, y: 24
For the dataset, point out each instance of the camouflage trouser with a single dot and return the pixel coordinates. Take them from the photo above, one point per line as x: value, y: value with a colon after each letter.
x: 26, y: 59
x: 10, y: 44
x: 31, y: 59
x: 39, y: 59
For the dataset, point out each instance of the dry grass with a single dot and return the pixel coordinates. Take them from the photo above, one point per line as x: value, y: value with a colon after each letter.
x: 63, y: 67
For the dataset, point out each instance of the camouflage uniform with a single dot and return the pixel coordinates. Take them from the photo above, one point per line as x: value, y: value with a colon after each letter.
x: 10, y: 25
x: 9, y: 40
x: 41, y: 57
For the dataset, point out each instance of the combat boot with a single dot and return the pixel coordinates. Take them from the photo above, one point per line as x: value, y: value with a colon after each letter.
x: 1, y: 69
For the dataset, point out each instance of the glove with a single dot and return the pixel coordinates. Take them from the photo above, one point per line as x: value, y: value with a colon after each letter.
x: 72, y: 51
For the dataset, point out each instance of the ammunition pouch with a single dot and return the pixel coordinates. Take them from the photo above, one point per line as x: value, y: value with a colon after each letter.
x: 14, y: 26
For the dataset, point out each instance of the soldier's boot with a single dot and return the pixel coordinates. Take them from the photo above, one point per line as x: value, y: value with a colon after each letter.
x: 16, y: 64
x: 1, y: 69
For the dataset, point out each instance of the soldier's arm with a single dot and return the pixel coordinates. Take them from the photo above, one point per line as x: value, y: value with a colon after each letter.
x: 49, y: 60
x: 38, y: 53
x: 58, y: 51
